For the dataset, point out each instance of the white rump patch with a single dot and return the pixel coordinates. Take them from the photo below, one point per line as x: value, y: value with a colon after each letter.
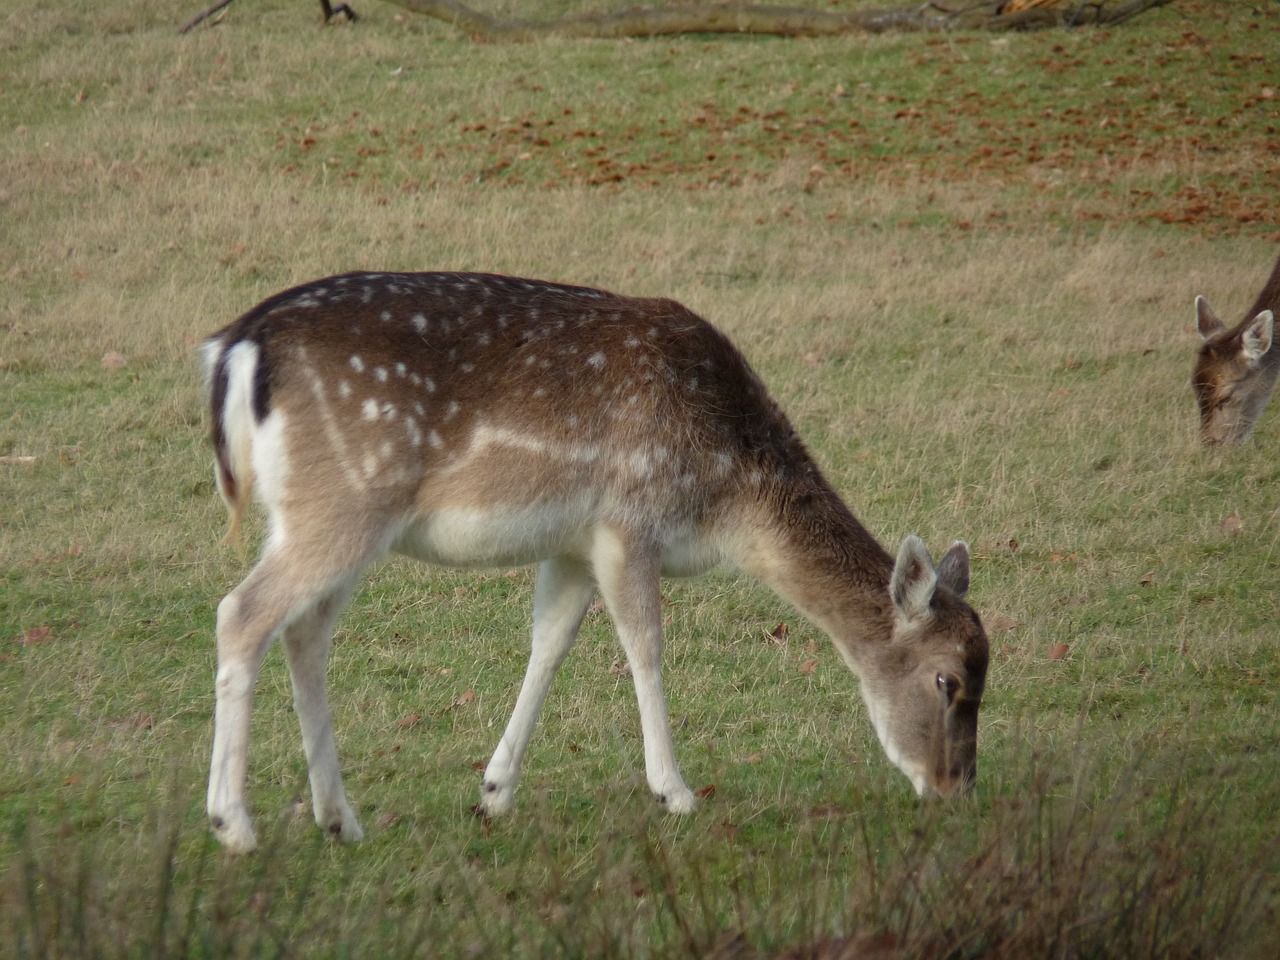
x: 270, y: 458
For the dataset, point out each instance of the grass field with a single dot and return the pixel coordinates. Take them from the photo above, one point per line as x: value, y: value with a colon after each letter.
x: 965, y: 265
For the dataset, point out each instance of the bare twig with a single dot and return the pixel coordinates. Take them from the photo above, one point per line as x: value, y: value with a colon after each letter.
x: 330, y: 11
x: 203, y: 15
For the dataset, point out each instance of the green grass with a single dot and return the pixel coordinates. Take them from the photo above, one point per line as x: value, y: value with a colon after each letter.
x: 964, y: 264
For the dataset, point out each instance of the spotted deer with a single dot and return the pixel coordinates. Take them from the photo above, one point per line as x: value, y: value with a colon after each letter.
x: 1235, y: 370
x: 475, y: 420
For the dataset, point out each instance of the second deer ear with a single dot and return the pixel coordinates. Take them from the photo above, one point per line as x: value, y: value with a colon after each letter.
x: 914, y: 580
x: 953, y: 568
x: 1256, y: 339
x: 1207, y: 322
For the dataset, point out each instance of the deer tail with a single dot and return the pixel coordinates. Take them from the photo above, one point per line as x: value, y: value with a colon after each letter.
x: 231, y: 370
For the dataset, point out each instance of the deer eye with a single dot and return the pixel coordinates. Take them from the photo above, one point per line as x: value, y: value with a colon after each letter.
x: 948, y: 685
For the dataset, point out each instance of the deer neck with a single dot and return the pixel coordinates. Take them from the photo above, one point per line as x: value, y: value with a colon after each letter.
x: 816, y: 555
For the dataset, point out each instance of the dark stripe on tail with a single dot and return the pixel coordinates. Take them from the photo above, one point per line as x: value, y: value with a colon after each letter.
x: 217, y: 399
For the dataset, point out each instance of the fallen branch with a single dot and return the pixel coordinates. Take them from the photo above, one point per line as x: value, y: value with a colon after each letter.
x: 734, y: 17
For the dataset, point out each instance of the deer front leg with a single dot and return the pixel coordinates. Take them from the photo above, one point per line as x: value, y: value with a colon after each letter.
x: 306, y: 645
x: 561, y: 596
x: 629, y: 577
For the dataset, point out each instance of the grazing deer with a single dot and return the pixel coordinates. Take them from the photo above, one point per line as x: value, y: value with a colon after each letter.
x: 1236, y: 369
x: 477, y: 420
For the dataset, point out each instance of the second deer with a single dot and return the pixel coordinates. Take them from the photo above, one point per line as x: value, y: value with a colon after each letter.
x: 1235, y: 370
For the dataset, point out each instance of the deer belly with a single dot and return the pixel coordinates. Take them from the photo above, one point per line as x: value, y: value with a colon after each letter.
x: 499, y: 535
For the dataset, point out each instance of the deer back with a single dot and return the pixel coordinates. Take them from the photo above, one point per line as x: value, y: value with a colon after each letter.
x: 435, y: 399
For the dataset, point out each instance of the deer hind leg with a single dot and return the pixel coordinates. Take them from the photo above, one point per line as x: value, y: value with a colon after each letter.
x: 561, y: 596
x: 306, y: 646
x: 629, y: 582
x: 291, y: 583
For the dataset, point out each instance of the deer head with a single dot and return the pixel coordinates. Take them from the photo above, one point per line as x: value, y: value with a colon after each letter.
x: 924, y: 687
x: 1235, y: 370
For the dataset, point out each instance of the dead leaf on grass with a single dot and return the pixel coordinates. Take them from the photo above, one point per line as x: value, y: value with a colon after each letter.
x: 462, y: 700
x: 1232, y: 526
x: 703, y: 793
x: 779, y: 634
x: 809, y: 666
x: 1059, y: 651
x: 36, y: 635
x: 112, y: 360
x: 409, y: 721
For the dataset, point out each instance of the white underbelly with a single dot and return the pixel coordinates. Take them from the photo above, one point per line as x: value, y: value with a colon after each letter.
x: 518, y: 536
x: 494, y: 537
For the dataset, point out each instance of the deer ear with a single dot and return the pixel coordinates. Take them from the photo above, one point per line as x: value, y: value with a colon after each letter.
x: 1207, y: 322
x: 1256, y: 339
x: 953, y: 568
x: 914, y: 579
